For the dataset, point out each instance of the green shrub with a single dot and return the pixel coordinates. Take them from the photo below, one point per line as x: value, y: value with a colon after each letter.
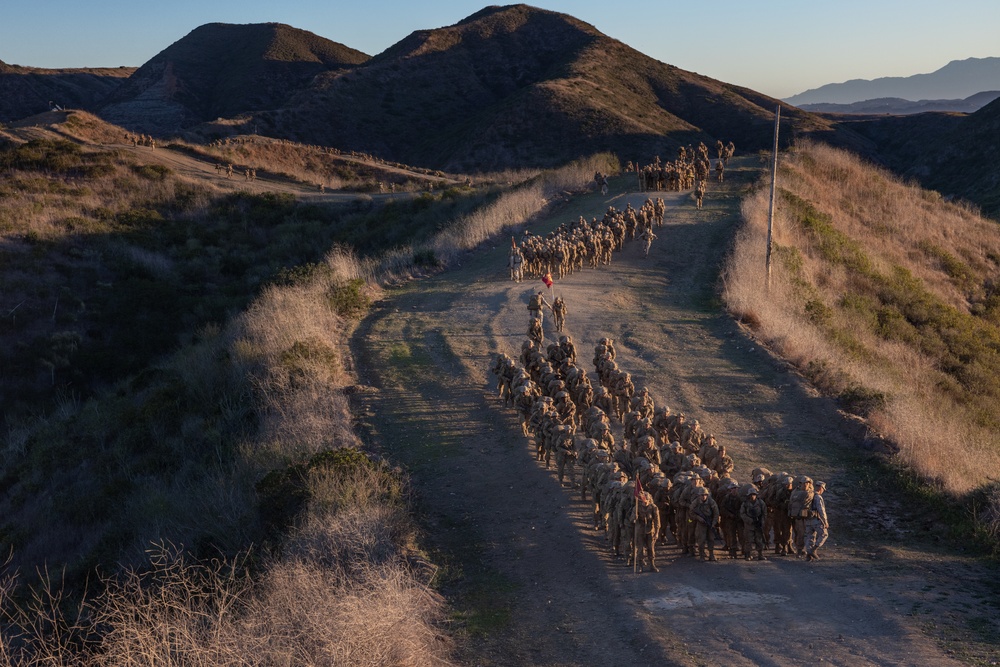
x: 282, y: 494
x: 426, y: 258
x: 153, y: 172
x: 297, y: 359
x: 862, y: 401
x: 818, y: 312
x: 301, y: 274
x: 347, y: 299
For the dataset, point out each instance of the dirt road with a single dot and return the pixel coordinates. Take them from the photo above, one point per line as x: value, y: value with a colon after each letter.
x: 535, y: 585
x: 50, y: 125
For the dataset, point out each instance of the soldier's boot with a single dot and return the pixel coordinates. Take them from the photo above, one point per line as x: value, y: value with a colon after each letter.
x: 761, y: 556
x: 711, y: 555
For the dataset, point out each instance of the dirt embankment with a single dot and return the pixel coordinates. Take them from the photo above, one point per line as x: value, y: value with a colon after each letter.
x: 531, y: 580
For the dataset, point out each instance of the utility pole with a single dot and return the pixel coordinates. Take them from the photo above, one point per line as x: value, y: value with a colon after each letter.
x: 770, y: 212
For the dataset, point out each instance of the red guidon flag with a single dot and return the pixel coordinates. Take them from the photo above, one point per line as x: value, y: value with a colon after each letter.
x: 638, y: 486
x: 547, y: 279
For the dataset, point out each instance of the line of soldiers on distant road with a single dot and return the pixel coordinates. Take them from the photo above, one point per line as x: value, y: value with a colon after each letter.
x: 666, y: 477
x: 689, y: 171
x: 249, y: 173
x: 140, y: 140
x: 570, y: 246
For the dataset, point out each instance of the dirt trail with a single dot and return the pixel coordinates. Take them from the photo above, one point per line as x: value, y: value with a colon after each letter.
x: 202, y: 169
x: 535, y: 585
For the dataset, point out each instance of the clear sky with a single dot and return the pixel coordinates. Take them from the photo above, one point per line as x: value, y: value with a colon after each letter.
x: 777, y: 47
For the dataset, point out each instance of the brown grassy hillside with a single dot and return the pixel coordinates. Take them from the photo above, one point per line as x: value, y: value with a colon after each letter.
x: 222, y: 70
x: 520, y: 85
x: 885, y: 297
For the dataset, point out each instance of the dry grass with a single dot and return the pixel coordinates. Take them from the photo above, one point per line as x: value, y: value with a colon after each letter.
x: 317, y: 165
x: 881, y: 291
x: 214, y: 614
x: 518, y: 205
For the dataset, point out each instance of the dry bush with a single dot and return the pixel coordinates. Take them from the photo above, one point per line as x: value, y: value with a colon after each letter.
x: 990, y: 515
x: 293, y: 345
x: 42, y: 627
x: 817, y: 313
x: 380, y: 617
x: 176, y: 613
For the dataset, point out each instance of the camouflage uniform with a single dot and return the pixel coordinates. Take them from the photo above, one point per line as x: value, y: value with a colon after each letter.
x: 535, y: 306
x: 729, y: 510
x: 782, y: 522
x: 535, y: 333
x: 559, y: 313
x: 565, y: 446
x: 798, y: 510
x: 817, y: 525
x: 704, y: 515
x: 753, y: 512
x: 646, y: 517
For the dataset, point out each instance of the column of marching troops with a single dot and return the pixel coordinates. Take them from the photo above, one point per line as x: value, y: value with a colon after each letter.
x: 667, y: 477
x: 686, y: 487
x: 570, y: 247
x: 690, y: 170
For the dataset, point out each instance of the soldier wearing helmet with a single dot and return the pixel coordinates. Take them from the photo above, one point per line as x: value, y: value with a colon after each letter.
x: 753, y: 513
x: 817, y: 525
x: 704, y: 516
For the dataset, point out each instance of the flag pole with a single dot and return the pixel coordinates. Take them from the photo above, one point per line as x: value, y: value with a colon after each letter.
x: 635, y: 530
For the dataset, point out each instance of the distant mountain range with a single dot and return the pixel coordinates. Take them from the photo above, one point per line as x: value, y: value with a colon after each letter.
x: 899, y: 107
x: 958, y: 79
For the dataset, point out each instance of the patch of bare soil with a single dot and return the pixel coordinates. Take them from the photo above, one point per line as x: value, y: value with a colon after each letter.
x: 533, y: 584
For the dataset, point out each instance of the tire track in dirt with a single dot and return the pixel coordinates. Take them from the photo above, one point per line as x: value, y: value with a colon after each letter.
x: 532, y: 582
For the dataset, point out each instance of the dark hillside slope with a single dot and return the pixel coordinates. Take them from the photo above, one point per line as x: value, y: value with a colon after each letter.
x: 518, y: 85
x: 966, y: 164
x: 954, y: 154
x: 26, y: 91
x: 222, y: 70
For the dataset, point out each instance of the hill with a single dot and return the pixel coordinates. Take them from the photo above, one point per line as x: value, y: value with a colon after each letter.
x: 519, y: 85
x: 956, y: 80
x: 25, y: 91
x: 899, y: 106
x: 223, y: 70
x: 950, y: 153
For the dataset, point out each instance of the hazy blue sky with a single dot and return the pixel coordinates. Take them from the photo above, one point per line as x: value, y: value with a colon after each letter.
x: 778, y: 47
